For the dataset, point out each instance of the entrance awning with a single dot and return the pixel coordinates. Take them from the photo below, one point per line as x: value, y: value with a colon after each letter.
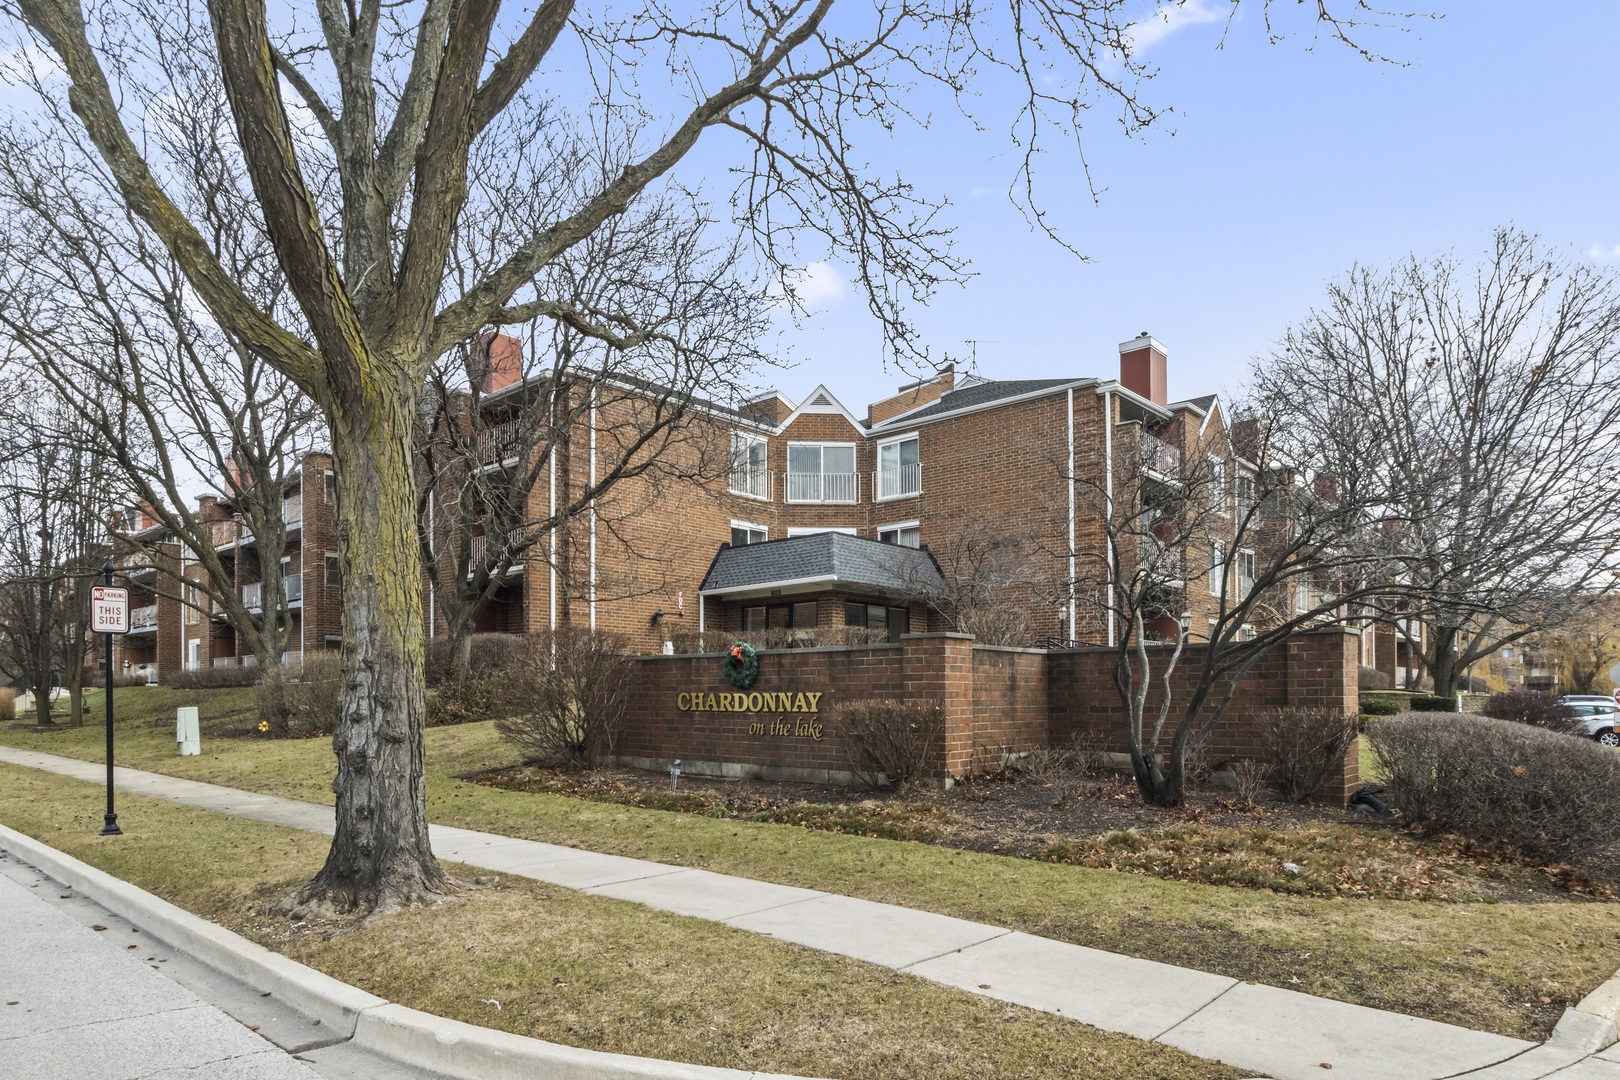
x: 822, y: 562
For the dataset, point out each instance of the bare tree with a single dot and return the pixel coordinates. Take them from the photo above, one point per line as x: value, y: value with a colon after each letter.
x: 1232, y: 548
x: 100, y: 313
x: 980, y: 563
x: 1583, y: 644
x: 1485, y: 400
x: 56, y: 498
x: 365, y: 185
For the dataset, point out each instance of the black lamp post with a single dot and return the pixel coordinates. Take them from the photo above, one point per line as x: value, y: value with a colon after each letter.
x: 1186, y: 626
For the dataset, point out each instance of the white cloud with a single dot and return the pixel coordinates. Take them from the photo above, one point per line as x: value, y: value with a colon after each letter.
x: 820, y: 285
x: 27, y: 64
x: 1171, y: 18
x: 1604, y: 254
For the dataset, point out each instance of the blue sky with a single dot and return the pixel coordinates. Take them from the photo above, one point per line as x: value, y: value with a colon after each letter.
x: 1281, y: 167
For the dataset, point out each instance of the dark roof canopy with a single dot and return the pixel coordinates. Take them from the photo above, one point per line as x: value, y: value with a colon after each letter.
x: 822, y: 561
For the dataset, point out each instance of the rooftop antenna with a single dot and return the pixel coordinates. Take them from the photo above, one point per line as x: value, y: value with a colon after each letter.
x: 973, y: 362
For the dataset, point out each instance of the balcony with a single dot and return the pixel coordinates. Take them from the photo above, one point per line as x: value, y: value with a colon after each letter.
x: 823, y: 487
x: 142, y: 619
x: 1161, y: 562
x: 751, y: 481
x: 502, y: 443
x: 292, y: 584
x: 1159, y: 457
x: 898, y: 481
x: 292, y: 512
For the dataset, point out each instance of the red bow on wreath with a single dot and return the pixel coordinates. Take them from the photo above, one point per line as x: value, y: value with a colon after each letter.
x: 736, y: 653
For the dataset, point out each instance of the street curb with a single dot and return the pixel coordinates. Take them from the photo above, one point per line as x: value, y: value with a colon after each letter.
x: 417, y: 1039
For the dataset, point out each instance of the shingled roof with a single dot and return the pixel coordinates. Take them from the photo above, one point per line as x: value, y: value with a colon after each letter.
x: 826, y: 559
x: 979, y: 393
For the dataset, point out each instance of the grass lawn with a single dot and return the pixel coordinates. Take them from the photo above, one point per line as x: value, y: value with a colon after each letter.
x: 1504, y: 967
x: 589, y: 971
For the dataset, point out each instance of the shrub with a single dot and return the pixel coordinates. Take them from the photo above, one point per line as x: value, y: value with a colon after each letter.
x: 887, y: 740
x: 304, y: 699
x: 576, y: 686
x: 1381, y: 706
x: 473, y: 699
x: 215, y: 678
x: 8, y: 704
x: 1305, y: 749
x: 1552, y: 796
x: 1430, y: 703
x: 486, y: 654
x: 1372, y: 679
x: 1534, y: 708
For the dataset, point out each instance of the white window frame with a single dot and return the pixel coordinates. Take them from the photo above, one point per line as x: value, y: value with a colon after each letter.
x: 901, y: 526
x: 752, y: 527
x: 854, y: 471
x: 1217, y: 567
x: 193, y: 654
x: 740, y: 440
x: 877, y: 474
x: 1244, y: 475
x: 1217, y: 484
x: 807, y: 530
x: 1246, y: 562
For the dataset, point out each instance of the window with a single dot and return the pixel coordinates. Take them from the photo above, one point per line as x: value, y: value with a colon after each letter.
x: 821, y: 472
x: 899, y: 470
x: 193, y: 654
x: 1245, y: 572
x: 329, y: 488
x: 1217, y: 485
x: 334, y: 571
x: 895, y: 620
x: 1302, y: 595
x: 744, y: 533
x: 1217, y: 568
x: 749, y: 473
x: 1243, y: 485
x: 798, y: 616
x: 905, y: 534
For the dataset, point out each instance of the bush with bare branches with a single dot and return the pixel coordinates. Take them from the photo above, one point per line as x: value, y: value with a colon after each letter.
x: 1305, y: 749
x: 302, y: 700
x: 1550, y: 795
x: 577, y: 686
x: 889, y: 741
x: 1532, y: 707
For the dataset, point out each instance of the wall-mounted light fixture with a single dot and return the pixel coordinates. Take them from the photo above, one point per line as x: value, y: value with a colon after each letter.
x: 1186, y: 624
x: 657, y: 617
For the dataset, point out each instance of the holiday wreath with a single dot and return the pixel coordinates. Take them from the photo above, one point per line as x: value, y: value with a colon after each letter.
x: 742, y: 665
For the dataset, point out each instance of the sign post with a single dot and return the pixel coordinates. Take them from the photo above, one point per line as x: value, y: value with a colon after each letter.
x: 109, y: 615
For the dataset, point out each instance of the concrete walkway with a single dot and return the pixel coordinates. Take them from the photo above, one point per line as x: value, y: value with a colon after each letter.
x: 77, y: 1003
x: 1281, y: 1033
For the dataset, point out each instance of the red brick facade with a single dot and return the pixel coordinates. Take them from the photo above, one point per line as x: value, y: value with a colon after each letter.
x: 997, y: 703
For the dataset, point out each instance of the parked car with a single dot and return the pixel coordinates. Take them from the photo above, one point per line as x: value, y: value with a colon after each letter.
x: 1596, y: 718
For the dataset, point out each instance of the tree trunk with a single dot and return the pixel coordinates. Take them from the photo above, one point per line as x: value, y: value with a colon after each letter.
x: 459, y: 635
x: 42, y: 701
x: 1158, y: 777
x: 380, y: 859
x: 1443, y: 665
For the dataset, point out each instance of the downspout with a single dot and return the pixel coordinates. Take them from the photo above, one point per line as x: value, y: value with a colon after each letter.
x: 1073, y: 607
x: 1108, y: 503
x: 593, y: 508
x: 551, y: 591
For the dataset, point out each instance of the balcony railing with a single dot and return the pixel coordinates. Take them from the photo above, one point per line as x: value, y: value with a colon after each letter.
x: 501, y: 442
x: 898, y: 480
x: 1162, y: 561
x: 1159, y: 456
x: 823, y: 487
x: 142, y: 618
x: 476, y: 551
x: 753, y: 482
x: 227, y: 661
x: 253, y: 595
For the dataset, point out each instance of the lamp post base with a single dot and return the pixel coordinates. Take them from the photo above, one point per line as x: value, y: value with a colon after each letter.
x: 111, y: 827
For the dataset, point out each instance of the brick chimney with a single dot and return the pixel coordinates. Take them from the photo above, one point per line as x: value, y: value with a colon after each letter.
x: 1142, y: 368
x: 503, y: 362
x: 770, y: 407
x: 913, y: 396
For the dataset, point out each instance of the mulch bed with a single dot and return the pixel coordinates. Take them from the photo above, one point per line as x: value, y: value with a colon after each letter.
x: 1099, y: 820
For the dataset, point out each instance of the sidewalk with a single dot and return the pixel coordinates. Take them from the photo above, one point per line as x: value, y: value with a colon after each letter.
x: 1282, y: 1033
x: 79, y: 1003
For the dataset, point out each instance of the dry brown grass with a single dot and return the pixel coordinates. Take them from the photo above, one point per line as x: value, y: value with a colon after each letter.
x: 590, y: 971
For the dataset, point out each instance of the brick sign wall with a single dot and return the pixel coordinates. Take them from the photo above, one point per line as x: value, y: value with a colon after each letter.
x: 997, y: 702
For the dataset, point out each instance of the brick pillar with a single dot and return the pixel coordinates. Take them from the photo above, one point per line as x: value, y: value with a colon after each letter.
x: 1322, y: 674
x: 939, y: 667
